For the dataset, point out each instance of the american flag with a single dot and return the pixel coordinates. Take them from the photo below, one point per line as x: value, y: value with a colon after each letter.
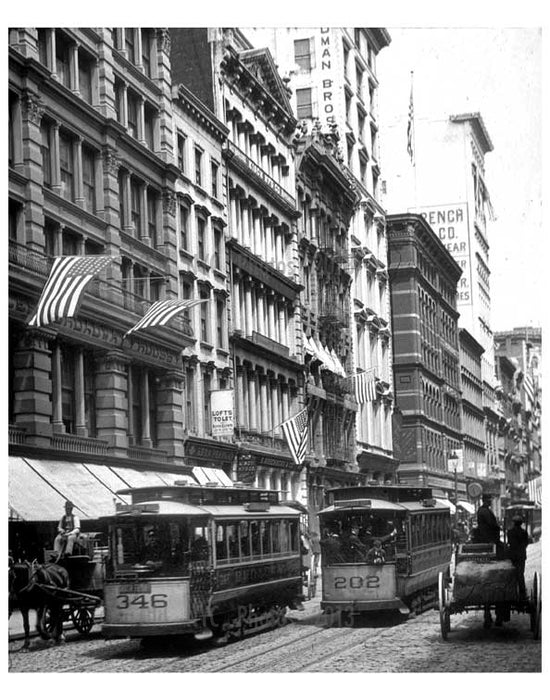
x: 529, y: 386
x: 364, y: 386
x: 296, y: 432
x: 63, y: 291
x: 162, y: 311
x: 534, y: 488
x: 410, y: 126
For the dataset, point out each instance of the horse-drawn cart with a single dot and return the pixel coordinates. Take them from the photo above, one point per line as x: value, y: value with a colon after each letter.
x: 481, y: 581
x: 78, y: 602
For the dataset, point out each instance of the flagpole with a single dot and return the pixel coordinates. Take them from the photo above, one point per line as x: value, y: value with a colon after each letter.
x: 413, y: 141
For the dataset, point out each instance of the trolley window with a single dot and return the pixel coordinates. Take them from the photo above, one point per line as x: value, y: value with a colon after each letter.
x: 246, y: 540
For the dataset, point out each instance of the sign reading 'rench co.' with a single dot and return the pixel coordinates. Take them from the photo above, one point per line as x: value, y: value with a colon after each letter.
x: 450, y: 223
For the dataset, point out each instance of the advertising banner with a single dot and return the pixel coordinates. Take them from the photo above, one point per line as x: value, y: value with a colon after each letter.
x: 223, y: 415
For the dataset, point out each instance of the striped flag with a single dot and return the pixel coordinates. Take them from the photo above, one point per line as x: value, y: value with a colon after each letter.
x: 162, y: 311
x: 364, y: 386
x: 66, y: 284
x: 529, y: 386
x: 534, y: 488
x: 296, y: 432
x: 410, y: 126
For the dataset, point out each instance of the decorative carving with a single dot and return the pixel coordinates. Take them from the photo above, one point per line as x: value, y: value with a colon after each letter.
x: 164, y: 40
x: 169, y: 202
x: 111, y: 162
x: 32, y: 108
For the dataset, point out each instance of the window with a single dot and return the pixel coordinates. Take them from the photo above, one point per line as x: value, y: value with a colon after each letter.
x: 206, y: 387
x: 149, y: 127
x: 183, y: 225
x: 218, y: 242
x: 129, y: 44
x: 190, y: 399
x: 304, y: 106
x: 123, y: 214
x: 181, y: 152
x: 146, y: 52
x: 89, y: 395
x: 62, y: 60
x: 14, y: 214
x: 198, y: 166
x: 43, y: 46
x: 186, y: 288
x: 152, y: 199
x: 302, y: 53
x: 85, y: 72
x: 220, y: 312
x: 201, y: 243
x: 88, y: 179
x: 13, y: 127
x: 46, y: 153
x: 133, y: 108
x: 66, y: 166
x: 215, y: 169
x: 68, y: 389
x: 119, y: 100
x: 136, y: 207
x: 204, y: 334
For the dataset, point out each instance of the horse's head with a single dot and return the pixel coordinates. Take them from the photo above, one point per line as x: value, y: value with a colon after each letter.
x: 19, y: 577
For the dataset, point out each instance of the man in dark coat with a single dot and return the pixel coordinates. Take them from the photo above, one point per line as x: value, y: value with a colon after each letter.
x: 487, y: 525
x: 518, y: 540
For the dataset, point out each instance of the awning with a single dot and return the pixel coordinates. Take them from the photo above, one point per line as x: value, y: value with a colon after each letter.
x: 468, y: 507
x: 38, y: 488
x: 205, y: 475
x: 446, y: 504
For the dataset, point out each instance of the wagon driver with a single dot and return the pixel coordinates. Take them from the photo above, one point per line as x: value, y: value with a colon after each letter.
x: 68, y: 530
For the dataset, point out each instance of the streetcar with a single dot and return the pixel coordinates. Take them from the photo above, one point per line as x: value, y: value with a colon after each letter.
x: 382, y: 548
x: 531, y: 514
x: 208, y: 561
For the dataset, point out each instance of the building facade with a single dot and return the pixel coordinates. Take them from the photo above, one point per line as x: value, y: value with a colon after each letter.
x: 332, y: 74
x: 246, y: 93
x: 91, y: 172
x: 423, y: 283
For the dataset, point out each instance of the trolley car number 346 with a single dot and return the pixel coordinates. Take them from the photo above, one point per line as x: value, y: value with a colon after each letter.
x: 356, y: 582
x: 156, y: 600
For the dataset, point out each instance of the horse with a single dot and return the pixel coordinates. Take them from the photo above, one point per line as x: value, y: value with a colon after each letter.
x: 26, y: 594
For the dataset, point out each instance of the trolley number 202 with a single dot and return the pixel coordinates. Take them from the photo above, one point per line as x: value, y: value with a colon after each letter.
x: 341, y: 582
x: 156, y: 600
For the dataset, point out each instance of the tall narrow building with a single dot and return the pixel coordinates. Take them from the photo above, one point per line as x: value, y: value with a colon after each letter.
x: 332, y: 74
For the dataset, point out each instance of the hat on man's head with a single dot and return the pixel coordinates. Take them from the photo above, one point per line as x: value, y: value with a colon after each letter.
x: 69, y: 504
x: 486, y: 497
x: 517, y: 519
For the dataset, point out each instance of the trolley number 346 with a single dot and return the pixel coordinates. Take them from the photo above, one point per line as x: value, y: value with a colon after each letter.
x: 356, y: 582
x: 156, y: 600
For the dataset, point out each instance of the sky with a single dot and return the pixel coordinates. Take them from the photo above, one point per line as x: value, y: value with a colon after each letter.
x: 497, y: 72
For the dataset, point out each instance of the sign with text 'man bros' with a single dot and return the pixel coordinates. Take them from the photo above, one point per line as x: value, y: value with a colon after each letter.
x: 450, y: 223
x: 221, y: 406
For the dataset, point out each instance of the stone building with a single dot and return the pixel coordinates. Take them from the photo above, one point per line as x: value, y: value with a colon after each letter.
x: 423, y: 283
x: 242, y: 87
x: 332, y: 74
x: 91, y: 171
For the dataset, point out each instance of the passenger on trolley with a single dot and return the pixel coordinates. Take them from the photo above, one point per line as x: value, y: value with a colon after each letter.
x: 376, y: 554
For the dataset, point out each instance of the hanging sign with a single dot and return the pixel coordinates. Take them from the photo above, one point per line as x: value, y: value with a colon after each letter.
x: 221, y: 406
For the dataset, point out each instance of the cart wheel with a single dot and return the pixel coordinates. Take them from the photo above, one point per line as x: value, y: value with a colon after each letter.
x: 536, y: 606
x: 83, y: 619
x: 444, y: 615
x: 44, y: 623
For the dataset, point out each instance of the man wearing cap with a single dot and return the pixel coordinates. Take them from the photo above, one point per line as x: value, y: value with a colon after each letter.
x: 518, y: 540
x: 487, y: 525
x: 68, y: 530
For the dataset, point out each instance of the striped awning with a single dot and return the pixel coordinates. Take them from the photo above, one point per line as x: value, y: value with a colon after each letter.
x: 206, y: 475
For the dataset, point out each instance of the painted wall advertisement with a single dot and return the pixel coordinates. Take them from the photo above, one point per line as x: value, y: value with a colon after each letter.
x: 450, y: 223
x: 221, y: 406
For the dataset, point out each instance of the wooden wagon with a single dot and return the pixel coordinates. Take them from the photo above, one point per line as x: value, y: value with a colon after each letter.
x: 481, y: 581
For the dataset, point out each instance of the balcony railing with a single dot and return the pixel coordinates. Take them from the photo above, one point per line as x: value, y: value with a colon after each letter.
x: 79, y: 443
x: 151, y: 454
x: 29, y: 259
x: 16, y: 436
x: 264, y: 439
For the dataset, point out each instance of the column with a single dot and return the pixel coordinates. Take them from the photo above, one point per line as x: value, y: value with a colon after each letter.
x: 56, y: 165
x: 141, y: 119
x: 143, y: 234
x: 79, y: 398
x: 240, y: 397
x: 74, y: 77
x: 282, y: 323
x: 51, y: 53
x: 271, y: 315
x: 285, y: 402
x: 170, y: 414
x: 233, y: 222
x: 245, y: 223
x: 57, y: 396
x: 261, y: 310
x: 275, y: 415
x: 256, y: 219
x: 78, y: 175
x: 124, y: 105
x: 235, y: 301
x: 263, y: 403
x: 248, y: 305
x: 145, y: 420
x: 111, y: 381
x: 252, y: 417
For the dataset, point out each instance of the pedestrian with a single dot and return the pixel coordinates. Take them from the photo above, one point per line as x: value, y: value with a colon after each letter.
x: 518, y: 540
x: 68, y: 530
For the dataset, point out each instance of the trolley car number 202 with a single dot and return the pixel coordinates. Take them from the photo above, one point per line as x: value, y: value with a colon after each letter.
x: 356, y: 582
x: 156, y: 600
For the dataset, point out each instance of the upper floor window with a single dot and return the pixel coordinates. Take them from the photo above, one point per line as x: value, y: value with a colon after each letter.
x: 303, y: 53
x: 152, y: 199
x: 149, y: 127
x: 304, y: 105
x: 85, y: 72
x: 130, y: 44
x: 220, y: 314
x: 62, y: 60
x: 133, y: 109
x: 66, y: 164
x: 204, y: 330
x: 136, y: 206
x: 201, y: 235
x: 218, y: 244
x: 184, y: 227
x: 181, y: 151
x: 198, y: 166
x: 146, y: 45
x: 215, y: 170
x: 88, y: 178
x: 43, y: 35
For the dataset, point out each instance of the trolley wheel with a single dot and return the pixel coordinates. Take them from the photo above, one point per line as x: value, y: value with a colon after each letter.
x: 83, y: 618
x: 536, y: 605
x: 444, y: 615
x: 44, y: 623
